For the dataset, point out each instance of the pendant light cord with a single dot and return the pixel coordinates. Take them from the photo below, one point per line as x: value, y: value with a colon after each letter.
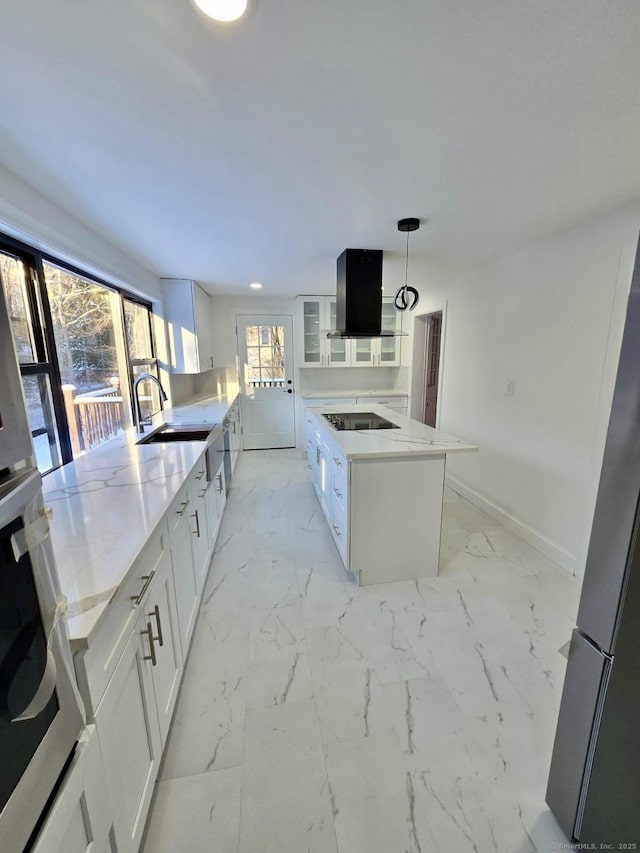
x: 406, y: 267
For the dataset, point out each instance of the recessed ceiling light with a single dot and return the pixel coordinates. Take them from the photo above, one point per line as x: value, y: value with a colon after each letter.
x: 255, y: 285
x: 223, y: 10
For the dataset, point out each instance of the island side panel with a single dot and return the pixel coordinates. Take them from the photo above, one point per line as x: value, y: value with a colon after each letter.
x: 396, y: 517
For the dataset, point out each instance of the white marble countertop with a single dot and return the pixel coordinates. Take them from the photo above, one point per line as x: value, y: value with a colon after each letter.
x: 108, y: 502
x: 381, y: 392
x: 413, y: 438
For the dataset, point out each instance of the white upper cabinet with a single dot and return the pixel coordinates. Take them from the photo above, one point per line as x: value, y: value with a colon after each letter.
x: 189, y: 325
x: 317, y: 314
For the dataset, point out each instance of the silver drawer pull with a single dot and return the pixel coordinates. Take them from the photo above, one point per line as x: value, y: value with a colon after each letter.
x: 156, y: 612
x: 152, y: 649
x: 337, y: 530
x: 337, y: 491
x: 184, y: 505
x: 337, y: 461
x: 202, y: 493
x: 197, y: 530
x: 147, y: 580
x: 200, y: 475
x: 219, y: 479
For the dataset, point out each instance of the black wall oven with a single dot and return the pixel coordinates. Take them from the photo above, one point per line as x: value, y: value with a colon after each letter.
x: 40, y: 716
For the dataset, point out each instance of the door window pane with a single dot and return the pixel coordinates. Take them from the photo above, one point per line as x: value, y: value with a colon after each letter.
x: 84, y: 318
x: 265, y: 356
x: 12, y: 274
x: 44, y: 430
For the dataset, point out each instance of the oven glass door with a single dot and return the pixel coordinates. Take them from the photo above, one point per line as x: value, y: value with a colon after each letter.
x: 23, y: 659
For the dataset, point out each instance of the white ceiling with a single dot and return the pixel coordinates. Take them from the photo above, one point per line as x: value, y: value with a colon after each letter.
x: 262, y: 150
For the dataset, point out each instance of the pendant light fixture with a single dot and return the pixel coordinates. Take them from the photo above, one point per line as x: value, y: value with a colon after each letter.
x: 224, y: 11
x: 407, y: 297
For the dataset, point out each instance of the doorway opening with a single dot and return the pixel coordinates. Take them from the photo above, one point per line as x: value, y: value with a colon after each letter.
x: 427, y: 363
x: 265, y: 354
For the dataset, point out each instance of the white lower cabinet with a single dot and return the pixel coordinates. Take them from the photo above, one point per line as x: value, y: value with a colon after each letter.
x: 129, y: 735
x: 340, y: 527
x: 220, y: 486
x: 200, y: 537
x: 129, y: 676
x: 184, y: 574
x: 235, y: 435
x: 80, y: 820
x: 135, y: 713
x: 167, y: 660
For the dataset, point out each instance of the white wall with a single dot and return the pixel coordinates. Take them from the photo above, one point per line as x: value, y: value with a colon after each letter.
x: 550, y: 317
x: 29, y: 216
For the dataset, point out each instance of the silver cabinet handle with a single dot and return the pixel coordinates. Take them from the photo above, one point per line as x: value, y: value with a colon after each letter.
x: 202, y: 493
x: 337, y: 530
x: 338, y: 462
x: 199, y: 475
x: 338, y: 493
x: 156, y: 613
x: 219, y: 479
x: 152, y: 649
x: 197, y: 530
x: 147, y: 580
x: 184, y: 505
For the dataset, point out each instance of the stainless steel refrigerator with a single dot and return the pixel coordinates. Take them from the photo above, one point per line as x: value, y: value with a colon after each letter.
x: 594, y: 780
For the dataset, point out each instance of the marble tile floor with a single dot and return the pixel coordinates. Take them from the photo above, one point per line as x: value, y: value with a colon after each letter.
x: 317, y: 716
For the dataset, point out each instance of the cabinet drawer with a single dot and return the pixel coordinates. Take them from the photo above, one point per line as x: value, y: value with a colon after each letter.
x: 340, y: 485
x: 178, y: 511
x: 96, y: 664
x: 330, y: 401
x: 389, y: 400
x: 338, y: 459
x: 310, y: 447
x: 339, y: 527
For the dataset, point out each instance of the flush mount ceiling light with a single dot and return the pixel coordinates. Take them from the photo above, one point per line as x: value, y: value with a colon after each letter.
x: 225, y: 11
x: 255, y: 285
x: 407, y: 297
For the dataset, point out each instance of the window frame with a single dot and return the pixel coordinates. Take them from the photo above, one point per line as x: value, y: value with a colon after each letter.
x: 43, y: 334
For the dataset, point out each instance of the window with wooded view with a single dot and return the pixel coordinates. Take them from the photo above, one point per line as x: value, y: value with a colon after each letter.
x: 80, y: 343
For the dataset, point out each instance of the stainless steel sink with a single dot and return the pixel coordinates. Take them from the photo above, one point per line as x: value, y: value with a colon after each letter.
x: 178, y: 432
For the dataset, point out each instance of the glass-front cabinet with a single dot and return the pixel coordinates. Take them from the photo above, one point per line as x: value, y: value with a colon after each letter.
x: 389, y: 348
x: 338, y: 351
x: 317, y: 314
x: 312, y: 354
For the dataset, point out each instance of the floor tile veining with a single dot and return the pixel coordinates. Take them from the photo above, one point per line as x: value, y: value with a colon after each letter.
x: 316, y: 715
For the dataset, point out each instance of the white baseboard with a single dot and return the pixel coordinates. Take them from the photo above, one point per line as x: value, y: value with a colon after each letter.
x: 550, y: 549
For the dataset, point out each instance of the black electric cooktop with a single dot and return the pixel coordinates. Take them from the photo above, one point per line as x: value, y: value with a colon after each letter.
x: 359, y: 420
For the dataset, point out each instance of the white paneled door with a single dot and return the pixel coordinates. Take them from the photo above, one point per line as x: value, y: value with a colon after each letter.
x: 265, y: 352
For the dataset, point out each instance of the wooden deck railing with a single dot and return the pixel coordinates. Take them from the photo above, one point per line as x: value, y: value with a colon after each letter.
x: 94, y: 416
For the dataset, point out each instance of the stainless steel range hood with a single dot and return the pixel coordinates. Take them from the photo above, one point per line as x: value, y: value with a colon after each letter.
x: 359, y: 295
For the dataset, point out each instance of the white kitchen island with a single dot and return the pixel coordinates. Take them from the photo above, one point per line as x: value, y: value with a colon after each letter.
x: 381, y: 491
